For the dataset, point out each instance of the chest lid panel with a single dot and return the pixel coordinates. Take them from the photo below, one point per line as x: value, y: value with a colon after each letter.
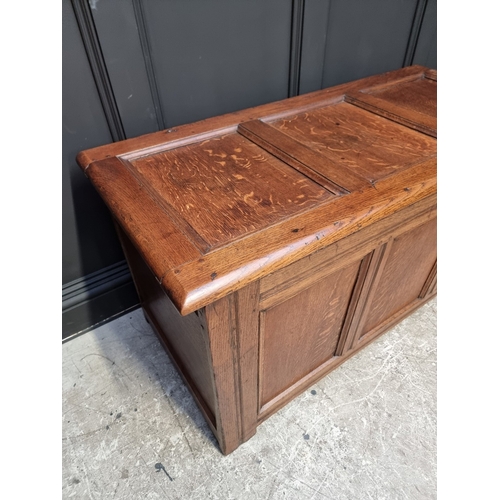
x: 411, y: 102
x: 225, y: 188
x: 366, y: 143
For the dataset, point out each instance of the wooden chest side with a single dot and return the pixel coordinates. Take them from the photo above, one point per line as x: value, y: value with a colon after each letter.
x: 183, y: 337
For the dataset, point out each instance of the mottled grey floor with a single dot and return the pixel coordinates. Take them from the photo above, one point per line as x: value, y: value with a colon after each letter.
x: 366, y: 431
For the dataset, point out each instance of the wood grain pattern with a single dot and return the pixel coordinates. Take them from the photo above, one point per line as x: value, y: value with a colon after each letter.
x: 199, y: 282
x: 162, y: 243
x: 232, y: 230
x: 335, y: 177
x: 430, y: 284
x: 226, y: 188
x: 232, y: 326
x: 411, y: 103
x: 182, y: 224
x: 388, y: 323
x: 419, y: 95
x: 302, y: 333
x: 309, y: 380
x: 365, y: 143
x: 283, y: 284
x: 361, y: 301
x: 410, y: 118
x: 411, y: 259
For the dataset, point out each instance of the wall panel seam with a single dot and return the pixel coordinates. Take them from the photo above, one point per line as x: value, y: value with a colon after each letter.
x: 418, y: 19
x: 326, y: 43
x: 148, y: 61
x: 296, y: 47
x: 98, y: 67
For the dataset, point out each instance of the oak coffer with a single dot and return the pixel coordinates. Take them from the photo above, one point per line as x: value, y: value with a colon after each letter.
x: 271, y: 244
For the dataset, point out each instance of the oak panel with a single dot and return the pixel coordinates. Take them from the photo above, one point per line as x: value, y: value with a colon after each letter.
x: 226, y: 188
x: 419, y: 95
x: 368, y: 144
x: 145, y: 222
x: 370, y: 271
x: 302, y: 158
x: 430, y: 284
x: 201, y: 281
x: 299, y: 335
x: 411, y: 103
x: 409, y: 264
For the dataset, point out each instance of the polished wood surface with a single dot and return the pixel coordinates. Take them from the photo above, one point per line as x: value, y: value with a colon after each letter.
x: 409, y: 263
x: 197, y: 283
x: 233, y: 330
x: 332, y: 175
x: 365, y: 143
x: 300, y: 334
x: 225, y: 188
x: 270, y: 245
x: 410, y: 102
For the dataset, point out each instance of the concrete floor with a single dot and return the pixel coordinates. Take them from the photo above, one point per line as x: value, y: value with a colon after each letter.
x: 366, y: 431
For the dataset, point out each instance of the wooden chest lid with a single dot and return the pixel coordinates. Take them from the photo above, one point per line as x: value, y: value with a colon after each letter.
x: 214, y: 205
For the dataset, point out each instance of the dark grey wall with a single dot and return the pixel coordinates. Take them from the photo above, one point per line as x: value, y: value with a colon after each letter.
x: 131, y: 67
x: 426, y: 48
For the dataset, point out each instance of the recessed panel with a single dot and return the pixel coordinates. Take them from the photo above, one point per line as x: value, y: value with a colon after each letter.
x: 226, y: 188
x: 410, y: 103
x: 302, y: 333
x: 410, y: 261
x: 369, y: 145
x: 419, y: 95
